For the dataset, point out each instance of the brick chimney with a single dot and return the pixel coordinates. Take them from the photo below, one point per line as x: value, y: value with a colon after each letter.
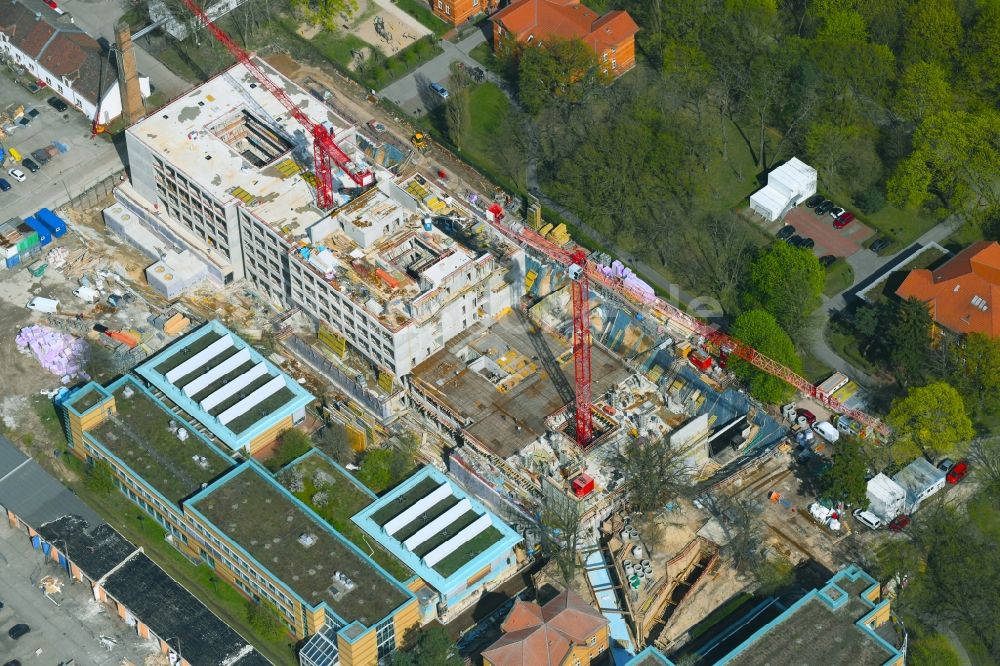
x: 128, y: 75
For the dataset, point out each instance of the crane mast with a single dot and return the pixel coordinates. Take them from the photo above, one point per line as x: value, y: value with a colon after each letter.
x: 582, y: 273
x: 325, y: 149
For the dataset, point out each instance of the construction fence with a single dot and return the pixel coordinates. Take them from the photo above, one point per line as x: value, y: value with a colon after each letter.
x: 323, y: 365
x: 95, y: 193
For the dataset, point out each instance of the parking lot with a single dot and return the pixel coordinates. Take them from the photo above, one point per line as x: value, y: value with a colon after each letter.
x: 838, y: 242
x: 88, y: 161
x: 69, y: 625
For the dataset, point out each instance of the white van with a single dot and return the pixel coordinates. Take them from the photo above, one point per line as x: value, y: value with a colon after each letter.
x: 826, y: 430
x: 46, y: 305
x: 867, y: 518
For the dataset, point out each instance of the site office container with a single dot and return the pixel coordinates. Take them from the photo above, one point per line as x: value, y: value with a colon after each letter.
x: 28, y: 240
x: 44, y: 235
x: 583, y: 485
x: 55, y: 224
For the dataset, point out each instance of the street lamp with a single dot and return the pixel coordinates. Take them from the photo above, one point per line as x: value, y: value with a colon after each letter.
x: 177, y: 651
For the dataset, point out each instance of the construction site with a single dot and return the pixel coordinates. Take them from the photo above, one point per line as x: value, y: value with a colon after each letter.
x: 418, y: 301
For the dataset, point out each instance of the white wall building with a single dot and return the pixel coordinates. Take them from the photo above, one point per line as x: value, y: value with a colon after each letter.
x: 220, y: 172
x: 787, y: 186
x: 920, y: 480
x: 51, y: 49
x: 887, y: 499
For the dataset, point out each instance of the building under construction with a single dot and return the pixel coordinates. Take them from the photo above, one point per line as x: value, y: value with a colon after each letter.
x: 224, y: 174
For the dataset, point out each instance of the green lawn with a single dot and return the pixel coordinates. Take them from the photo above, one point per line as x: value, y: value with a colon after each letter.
x: 847, y: 347
x: 839, y: 276
x: 965, y: 235
x: 814, y: 369
x: 483, y: 54
x: 421, y: 11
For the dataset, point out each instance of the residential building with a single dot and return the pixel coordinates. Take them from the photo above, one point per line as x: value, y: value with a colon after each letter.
x: 525, y: 23
x: 920, y: 479
x: 46, y: 44
x: 228, y: 388
x: 72, y: 537
x: 566, y: 630
x: 963, y: 294
x: 219, y: 173
x: 453, y: 543
x: 259, y: 537
x: 787, y: 186
x: 457, y: 12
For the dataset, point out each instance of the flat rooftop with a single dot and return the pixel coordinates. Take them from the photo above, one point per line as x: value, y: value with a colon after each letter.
x: 442, y: 533
x: 495, y: 378
x: 221, y: 135
x: 146, y: 436
x: 270, y: 525
x: 815, y: 632
x: 224, y: 384
x: 335, y: 495
x: 389, y: 249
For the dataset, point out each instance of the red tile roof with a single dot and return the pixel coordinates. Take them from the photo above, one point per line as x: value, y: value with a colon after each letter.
x: 964, y: 293
x: 544, y: 636
x: 565, y: 19
x: 59, y: 47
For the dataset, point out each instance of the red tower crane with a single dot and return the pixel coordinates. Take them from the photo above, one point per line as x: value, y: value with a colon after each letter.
x: 325, y: 150
x: 582, y: 274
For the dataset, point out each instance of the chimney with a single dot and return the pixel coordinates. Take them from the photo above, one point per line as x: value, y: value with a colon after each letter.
x: 128, y: 75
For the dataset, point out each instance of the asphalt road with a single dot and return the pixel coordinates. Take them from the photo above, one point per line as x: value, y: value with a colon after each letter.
x: 88, y: 161
x: 68, y: 626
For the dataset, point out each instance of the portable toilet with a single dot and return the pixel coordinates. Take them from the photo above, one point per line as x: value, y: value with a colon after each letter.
x: 44, y: 234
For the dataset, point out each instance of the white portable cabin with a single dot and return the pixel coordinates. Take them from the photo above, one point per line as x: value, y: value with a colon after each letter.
x: 886, y: 499
x: 920, y: 480
x: 787, y: 186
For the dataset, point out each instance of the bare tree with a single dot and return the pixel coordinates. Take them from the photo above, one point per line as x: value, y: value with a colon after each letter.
x: 560, y: 523
x: 655, y: 473
x: 984, y: 458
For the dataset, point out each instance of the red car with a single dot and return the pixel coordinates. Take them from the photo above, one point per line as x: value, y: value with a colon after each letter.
x: 807, y: 415
x: 957, y: 473
x: 899, y: 522
x: 843, y: 220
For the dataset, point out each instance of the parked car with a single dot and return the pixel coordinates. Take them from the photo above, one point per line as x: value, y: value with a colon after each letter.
x: 14, y: 154
x: 824, y: 208
x: 957, y: 472
x: 57, y: 104
x: 785, y: 232
x: 806, y: 244
x: 30, y: 165
x: 23, y: 121
x: 827, y: 260
x: 13, y: 663
x: 33, y: 112
x: 814, y: 200
x: 440, y: 90
x: 807, y: 415
x: 18, y: 630
x: 4, y: 185
x: 794, y: 240
x: 40, y: 156
x: 837, y: 211
x: 17, y: 175
x: 868, y: 519
x: 843, y: 220
x: 898, y: 523
x: 880, y: 245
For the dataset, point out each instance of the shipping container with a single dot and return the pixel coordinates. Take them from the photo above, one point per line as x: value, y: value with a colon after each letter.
x: 13, y: 261
x: 54, y: 223
x: 29, y: 238
x: 44, y: 235
x: 583, y: 485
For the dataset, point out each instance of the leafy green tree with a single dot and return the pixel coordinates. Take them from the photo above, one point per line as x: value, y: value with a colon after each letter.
x: 386, y: 466
x: 905, y: 337
x: 324, y: 13
x: 931, y: 418
x: 264, y: 620
x: 431, y: 646
x: 787, y: 282
x: 760, y: 330
x: 292, y: 443
x: 933, y: 650
x: 981, y: 55
x: 956, y: 156
x: 458, y: 114
x: 100, y: 477
x: 933, y: 31
x: 976, y: 371
x: 844, y: 155
x: 566, y: 71
x: 845, y: 480
x: 923, y: 90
